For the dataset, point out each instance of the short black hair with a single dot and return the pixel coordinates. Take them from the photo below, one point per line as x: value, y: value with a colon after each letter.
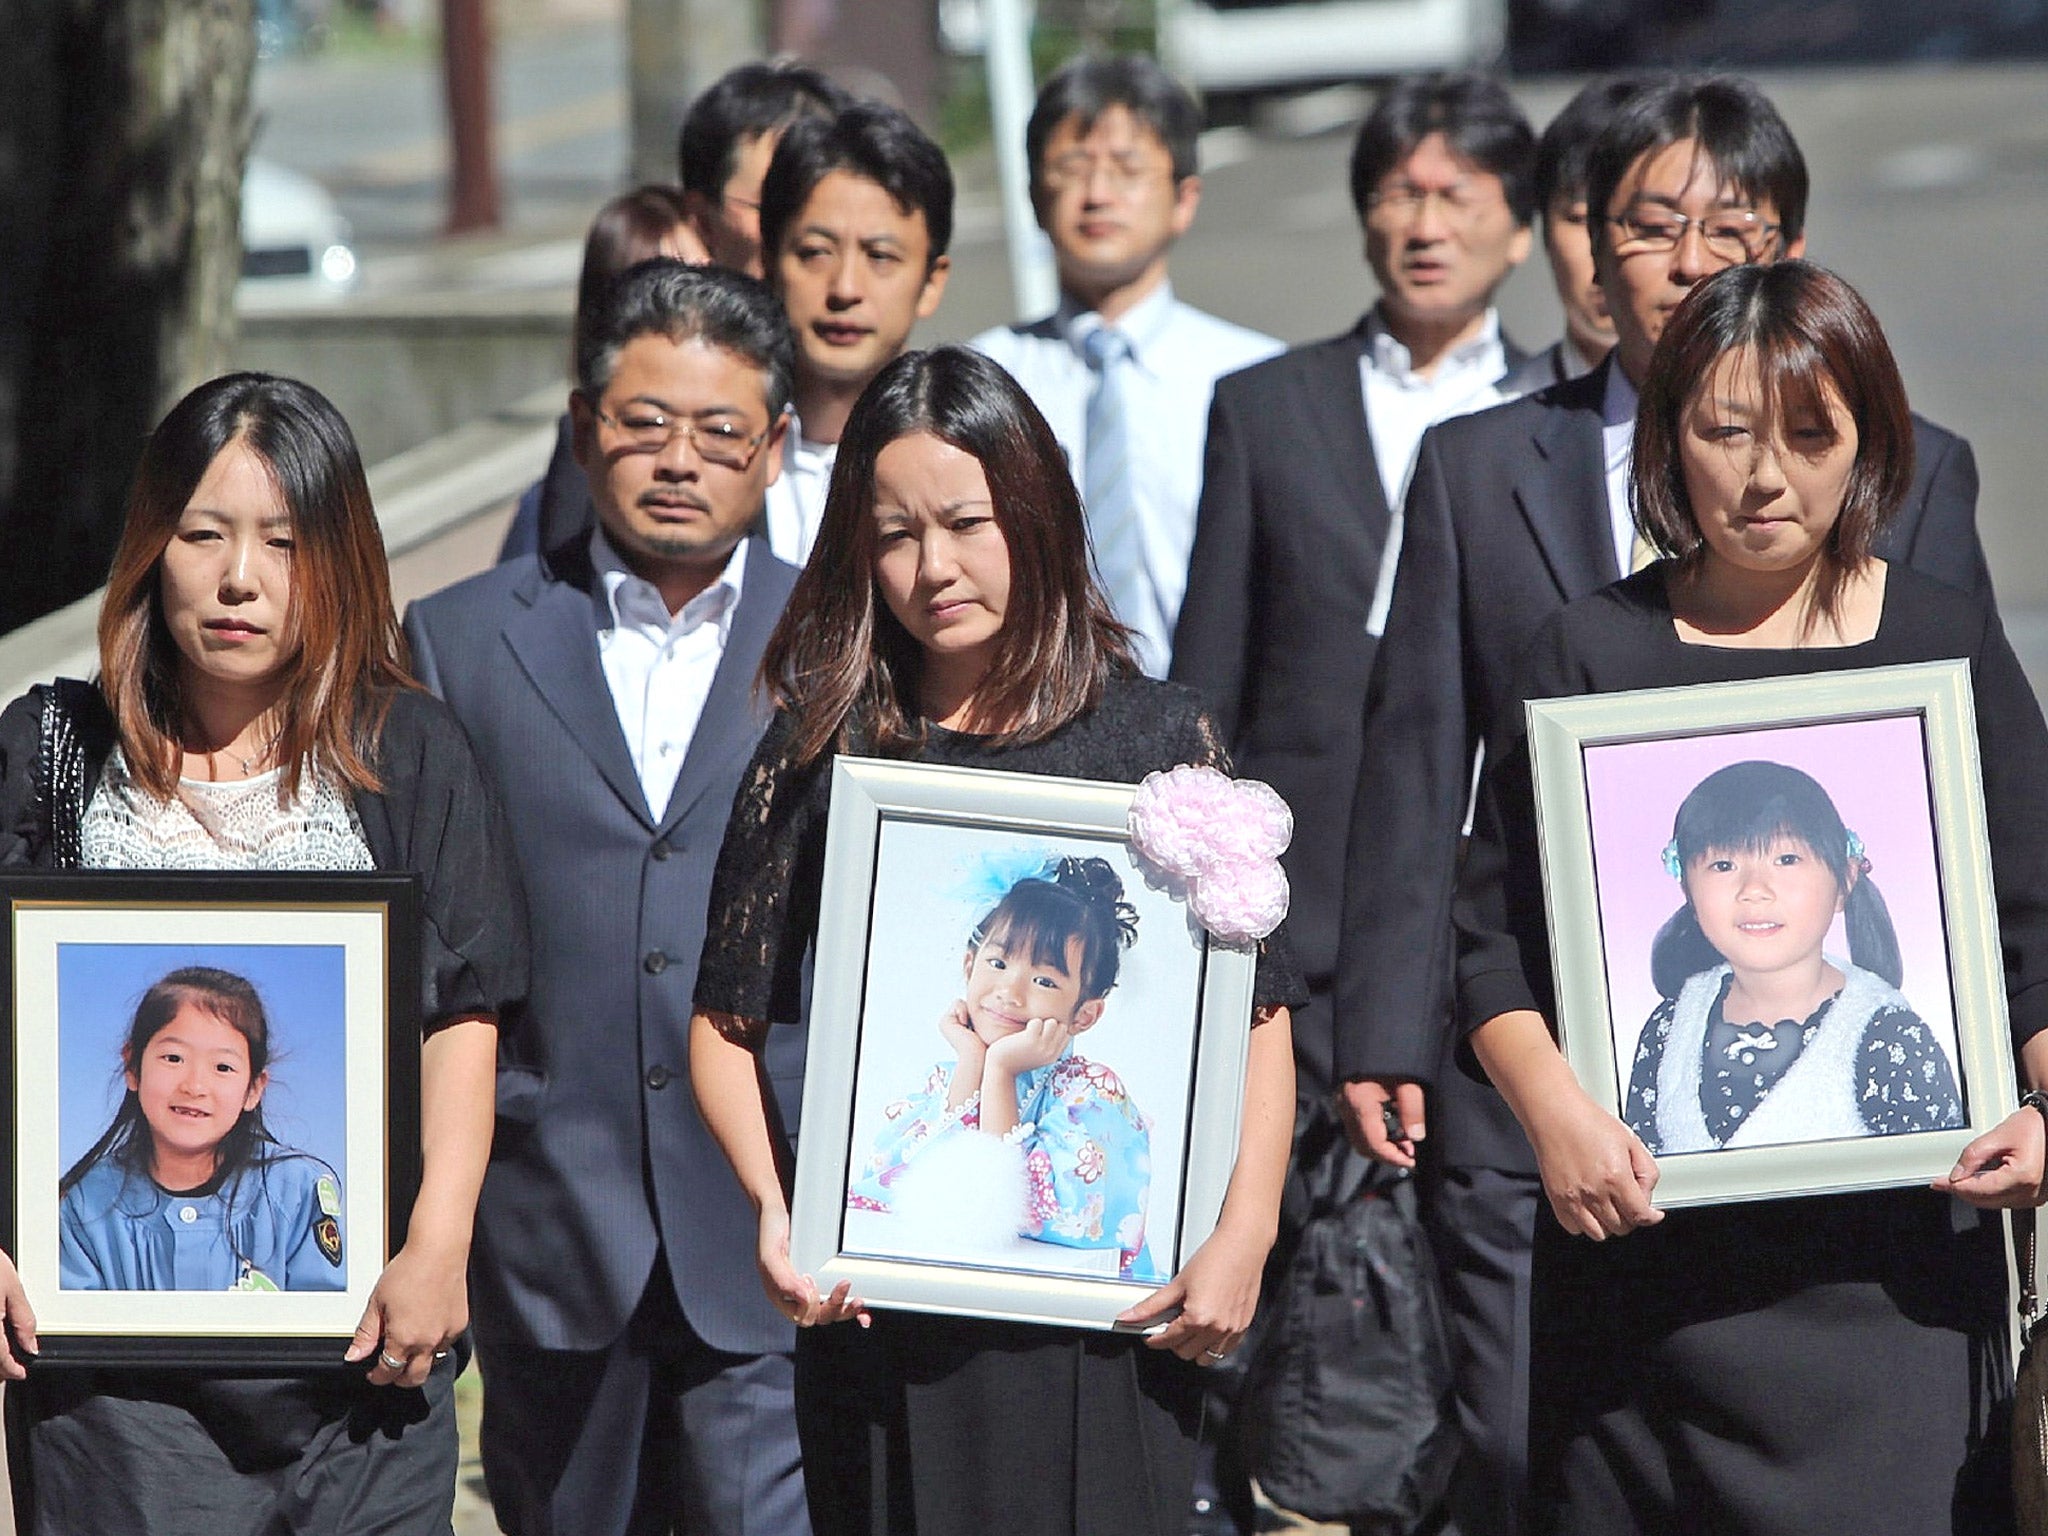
x: 1473, y: 112
x: 1087, y: 88
x: 1566, y: 144
x: 743, y: 104
x: 873, y: 141
x: 1738, y: 131
x: 714, y: 305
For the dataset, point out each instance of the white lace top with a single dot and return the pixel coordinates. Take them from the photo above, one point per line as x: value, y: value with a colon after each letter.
x: 221, y: 826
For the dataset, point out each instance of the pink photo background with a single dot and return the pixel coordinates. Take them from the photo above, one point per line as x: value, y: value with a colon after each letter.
x: 1876, y: 773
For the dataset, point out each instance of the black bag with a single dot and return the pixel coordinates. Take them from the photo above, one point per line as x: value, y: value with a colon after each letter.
x: 2030, y: 1393
x: 1346, y: 1413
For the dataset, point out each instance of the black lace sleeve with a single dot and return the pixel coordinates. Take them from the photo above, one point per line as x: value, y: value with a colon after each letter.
x: 764, y: 895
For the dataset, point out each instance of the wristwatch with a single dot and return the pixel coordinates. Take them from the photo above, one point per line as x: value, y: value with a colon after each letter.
x: 2034, y: 1098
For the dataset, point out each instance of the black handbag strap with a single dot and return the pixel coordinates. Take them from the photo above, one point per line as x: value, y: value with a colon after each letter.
x: 2023, y: 1231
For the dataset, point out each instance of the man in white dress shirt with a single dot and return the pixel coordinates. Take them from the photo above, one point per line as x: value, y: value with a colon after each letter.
x: 639, y: 1379
x: 1111, y: 144
x: 856, y: 214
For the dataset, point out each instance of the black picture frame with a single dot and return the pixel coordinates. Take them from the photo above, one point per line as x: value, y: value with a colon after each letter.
x: 116, y: 919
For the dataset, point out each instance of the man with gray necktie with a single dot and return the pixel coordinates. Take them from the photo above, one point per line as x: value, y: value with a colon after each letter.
x: 1122, y: 369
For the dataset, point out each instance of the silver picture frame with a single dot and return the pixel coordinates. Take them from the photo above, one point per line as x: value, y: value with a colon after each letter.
x: 883, y: 890
x: 1929, y: 704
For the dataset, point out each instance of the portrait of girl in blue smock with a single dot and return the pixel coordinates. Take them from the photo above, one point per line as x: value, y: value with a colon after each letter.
x: 1037, y: 974
x: 187, y: 1190
x: 1762, y: 1037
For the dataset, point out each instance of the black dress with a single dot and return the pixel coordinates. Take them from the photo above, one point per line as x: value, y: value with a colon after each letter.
x: 931, y: 1426
x: 1829, y: 1364
x: 181, y: 1452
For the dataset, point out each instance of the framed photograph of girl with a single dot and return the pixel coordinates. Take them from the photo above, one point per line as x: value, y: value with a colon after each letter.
x: 210, y: 1109
x: 1012, y: 1106
x: 1773, y: 927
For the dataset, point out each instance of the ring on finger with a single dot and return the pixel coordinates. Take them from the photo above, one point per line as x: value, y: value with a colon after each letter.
x: 1215, y: 1354
x: 390, y: 1364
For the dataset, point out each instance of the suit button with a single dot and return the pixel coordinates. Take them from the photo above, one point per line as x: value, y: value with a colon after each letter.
x: 656, y: 962
x: 657, y: 1078
x: 662, y: 850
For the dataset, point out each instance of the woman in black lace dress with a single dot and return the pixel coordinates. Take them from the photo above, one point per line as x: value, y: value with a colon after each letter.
x: 1832, y: 1363
x: 948, y: 616
x: 253, y: 711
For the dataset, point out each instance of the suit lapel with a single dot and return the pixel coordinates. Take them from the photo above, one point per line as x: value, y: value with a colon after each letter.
x: 733, y: 711
x: 555, y: 643
x: 1336, y: 406
x: 1562, y: 491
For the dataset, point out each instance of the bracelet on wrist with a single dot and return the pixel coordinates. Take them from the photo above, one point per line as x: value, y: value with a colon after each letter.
x: 2035, y: 1099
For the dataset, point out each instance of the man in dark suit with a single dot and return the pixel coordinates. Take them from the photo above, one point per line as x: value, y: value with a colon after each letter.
x: 1512, y: 513
x: 1307, y: 455
x: 1560, y: 178
x: 637, y: 1379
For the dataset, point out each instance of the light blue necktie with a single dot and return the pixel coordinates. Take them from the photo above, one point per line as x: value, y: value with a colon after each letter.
x: 1106, y: 476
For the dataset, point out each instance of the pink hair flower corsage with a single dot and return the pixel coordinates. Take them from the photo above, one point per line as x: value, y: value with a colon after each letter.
x: 1218, y: 840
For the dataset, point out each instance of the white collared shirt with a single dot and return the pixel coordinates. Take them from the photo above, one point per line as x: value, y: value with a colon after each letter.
x: 1177, y: 355
x: 1401, y: 405
x: 659, y: 665
x: 796, y: 501
x: 1617, y: 437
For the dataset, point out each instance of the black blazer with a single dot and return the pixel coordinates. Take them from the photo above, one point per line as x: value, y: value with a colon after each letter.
x: 1506, y: 522
x: 1288, y: 538
x: 601, y: 1154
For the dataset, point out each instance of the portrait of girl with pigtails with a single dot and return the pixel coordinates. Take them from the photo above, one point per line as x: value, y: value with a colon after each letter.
x: 1762, y: 1036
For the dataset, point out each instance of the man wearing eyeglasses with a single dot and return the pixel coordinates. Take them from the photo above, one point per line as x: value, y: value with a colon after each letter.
x: 728, y: 140
x: 1308, y: 455
x: 639, y: 1379
x: 1122, y: 369
x: 1513, y: 512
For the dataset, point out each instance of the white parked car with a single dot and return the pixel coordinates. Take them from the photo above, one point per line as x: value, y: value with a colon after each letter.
x: 295, y: 243
x: 1255, y: 45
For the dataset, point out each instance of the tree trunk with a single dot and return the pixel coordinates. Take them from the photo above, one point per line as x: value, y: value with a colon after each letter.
x: 124, y: 128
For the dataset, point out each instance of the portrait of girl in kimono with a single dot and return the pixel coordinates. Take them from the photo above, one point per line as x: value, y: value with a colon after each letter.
x: 1016, y: 1107
x: 1762, y: 1037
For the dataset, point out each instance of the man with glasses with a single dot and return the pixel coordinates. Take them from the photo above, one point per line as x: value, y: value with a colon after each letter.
x: 1560, y: 177
x: 639, y: 1379
x: 1308, y: 454
x: 1307, y: 457
x: 728, y: 139
x: 1512, y: 513
x: 1122, y: 369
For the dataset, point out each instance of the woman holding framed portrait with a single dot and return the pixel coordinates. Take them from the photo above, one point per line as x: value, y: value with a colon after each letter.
x: 948, y: 616
x: 253, y: 712
x: 1830, y: 1362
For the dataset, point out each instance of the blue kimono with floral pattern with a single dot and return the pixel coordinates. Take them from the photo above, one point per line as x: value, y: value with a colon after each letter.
x: 1087, y: 1153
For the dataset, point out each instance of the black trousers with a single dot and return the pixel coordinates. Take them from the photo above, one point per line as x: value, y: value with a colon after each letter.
x: 182, y: 1455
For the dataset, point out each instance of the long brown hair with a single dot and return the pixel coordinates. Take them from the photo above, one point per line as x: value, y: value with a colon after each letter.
x: 1812, y: 334
x: 349, y: 651
x: 841, y: 663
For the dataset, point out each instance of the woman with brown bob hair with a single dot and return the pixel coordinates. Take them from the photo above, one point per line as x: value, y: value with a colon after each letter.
x: 1832, y: 1362
x: 947, y: 616
x: 253, y: 712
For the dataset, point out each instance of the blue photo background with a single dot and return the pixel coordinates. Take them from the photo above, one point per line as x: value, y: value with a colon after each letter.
x: 305, y: 993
